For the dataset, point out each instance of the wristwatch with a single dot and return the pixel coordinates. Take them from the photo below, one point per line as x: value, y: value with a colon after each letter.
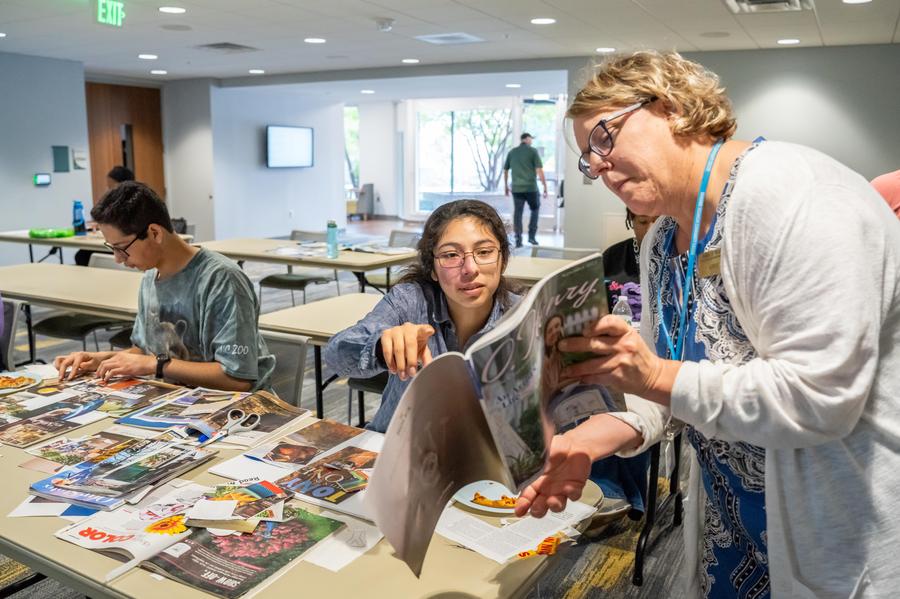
x: 161, y: 361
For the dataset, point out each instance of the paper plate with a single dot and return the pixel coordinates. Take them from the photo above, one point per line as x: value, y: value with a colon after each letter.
x: 34, y: 377
x: 490, y: 489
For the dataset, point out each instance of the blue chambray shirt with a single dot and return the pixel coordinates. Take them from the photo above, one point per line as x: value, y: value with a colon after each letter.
x: 352, y: 351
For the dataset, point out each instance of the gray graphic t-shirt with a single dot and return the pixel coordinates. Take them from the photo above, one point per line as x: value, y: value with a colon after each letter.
x: 206, y: 312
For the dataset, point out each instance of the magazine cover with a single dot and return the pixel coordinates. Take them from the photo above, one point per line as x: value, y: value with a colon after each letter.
x: 51, y: 420
x: 187, y: 407
x: 230, y: 566
x: 251, y: 499
x: 333, y: 478
x: 122, y: 395
x: 324, y: 434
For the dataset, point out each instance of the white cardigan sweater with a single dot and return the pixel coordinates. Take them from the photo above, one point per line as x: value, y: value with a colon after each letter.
x: 811, y: 266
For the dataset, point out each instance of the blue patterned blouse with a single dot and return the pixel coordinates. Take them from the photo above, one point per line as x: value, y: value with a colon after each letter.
x: 733, y: 557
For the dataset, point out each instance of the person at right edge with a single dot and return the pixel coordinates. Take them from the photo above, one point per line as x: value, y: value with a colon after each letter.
x: 771, y: 328
x: 525, y: 163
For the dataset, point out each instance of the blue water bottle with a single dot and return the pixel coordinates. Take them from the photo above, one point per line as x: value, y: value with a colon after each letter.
x: 78, y: 218
x: 331, y: 239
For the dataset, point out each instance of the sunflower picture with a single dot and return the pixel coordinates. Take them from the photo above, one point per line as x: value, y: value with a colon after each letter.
x: 172, y: 525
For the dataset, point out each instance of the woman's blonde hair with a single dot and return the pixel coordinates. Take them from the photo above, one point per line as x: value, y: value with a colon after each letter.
x: 688, y: 90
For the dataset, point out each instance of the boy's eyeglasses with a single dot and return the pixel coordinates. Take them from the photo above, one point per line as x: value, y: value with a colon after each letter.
x: 124, y: 250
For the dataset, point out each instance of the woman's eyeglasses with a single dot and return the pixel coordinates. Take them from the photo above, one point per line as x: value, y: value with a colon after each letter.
x: 453, y: 259
x: 601, y: 141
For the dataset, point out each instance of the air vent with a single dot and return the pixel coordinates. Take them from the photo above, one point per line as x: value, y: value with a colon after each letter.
x: 449, y: 38
x: 227, y: 47
x: 739, y: 7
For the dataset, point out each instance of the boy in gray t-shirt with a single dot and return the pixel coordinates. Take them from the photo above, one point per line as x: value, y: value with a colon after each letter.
x: 197, y: 313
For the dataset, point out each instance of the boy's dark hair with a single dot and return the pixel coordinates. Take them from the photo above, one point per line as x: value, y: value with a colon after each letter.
x: 420, y: 271
x: 120, y: 174
x: 132, y: 207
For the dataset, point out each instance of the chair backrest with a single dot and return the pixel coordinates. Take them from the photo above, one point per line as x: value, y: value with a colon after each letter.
x: 542, y: 251
x: 300, y: 235
x: 404, y: 239
x: 290, y: 364
x: 98, y: 260
x: 11, y: 310
x: 179, y: 225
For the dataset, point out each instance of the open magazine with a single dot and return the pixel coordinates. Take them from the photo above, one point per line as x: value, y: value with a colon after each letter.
x: 488, y: 414
x: 155, y: 535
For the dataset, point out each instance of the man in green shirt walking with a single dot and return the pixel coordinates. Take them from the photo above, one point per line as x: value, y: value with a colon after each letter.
x: 525, y: 163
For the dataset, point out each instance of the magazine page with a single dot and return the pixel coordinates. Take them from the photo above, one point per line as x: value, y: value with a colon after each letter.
x: 518, y: 368
x: 137, y: 532
x: 138, y: 464
x: 230, y: 566
x: 437, y: 442
x: 50, y: 420
x: 62, y: 451
x: 275, y: 415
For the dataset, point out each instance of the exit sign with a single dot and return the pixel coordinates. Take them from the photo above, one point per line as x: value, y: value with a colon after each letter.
x: 110, y: 12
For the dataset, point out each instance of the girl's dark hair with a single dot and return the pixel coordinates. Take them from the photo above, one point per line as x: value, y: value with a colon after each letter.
x: 629, y: 219
x: 421, y: 272
x: 131, y: 207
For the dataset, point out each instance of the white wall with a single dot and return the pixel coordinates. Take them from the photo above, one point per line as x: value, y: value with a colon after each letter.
x: 252, y: 200
x: 42, y: 104
x: 188, y: 153
x: 842, y: 101
x: 378, y: 154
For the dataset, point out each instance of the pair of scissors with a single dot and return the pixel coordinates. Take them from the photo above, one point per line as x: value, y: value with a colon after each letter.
x: 237, y: 421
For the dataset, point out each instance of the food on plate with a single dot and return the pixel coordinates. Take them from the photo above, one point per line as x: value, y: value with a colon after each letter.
x: 504, y: 501
x: 14, y: 382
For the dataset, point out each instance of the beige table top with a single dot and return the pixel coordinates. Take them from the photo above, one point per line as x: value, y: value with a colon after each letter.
x: 322, y: 319
x: 528, y: 270
x: 99, y: 291
x: 92, y: 241
x: 261, y: 250
x: 448, y: 571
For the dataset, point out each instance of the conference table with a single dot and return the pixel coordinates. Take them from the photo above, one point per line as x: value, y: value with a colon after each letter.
x: 92, y: 241
x: 449, y: 570
x: 288, y: 253
x: 105, y: 292
x: 316, y: 323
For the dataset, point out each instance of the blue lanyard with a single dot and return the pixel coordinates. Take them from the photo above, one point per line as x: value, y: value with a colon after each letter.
x: 677, y: 352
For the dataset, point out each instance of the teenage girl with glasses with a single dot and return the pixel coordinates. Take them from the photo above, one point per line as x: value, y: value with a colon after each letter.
x: 445, y: 301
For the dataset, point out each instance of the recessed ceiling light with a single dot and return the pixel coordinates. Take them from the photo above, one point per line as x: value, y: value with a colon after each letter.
x: 159, y: 72
x: 540, y: 97
x: 257, y: 71
x: 314, y: 40
x: 2, y: 35
x: 410, y: 61
x: 605, y: 50
x: 788, y: 41
x: 367, y: 91
x: 857, y: 1
x: 543, y: 21
x: 514, y: 85
x: 148, y: 56
x: 172, y: 10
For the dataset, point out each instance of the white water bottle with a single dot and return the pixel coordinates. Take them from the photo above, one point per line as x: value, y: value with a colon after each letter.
x: 622, y: 309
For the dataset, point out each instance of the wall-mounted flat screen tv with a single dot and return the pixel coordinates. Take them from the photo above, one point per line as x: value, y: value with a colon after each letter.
x: 289, y: 146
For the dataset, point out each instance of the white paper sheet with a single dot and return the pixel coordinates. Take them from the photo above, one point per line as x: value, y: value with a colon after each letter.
x: 344, y: 546
x: 31, y: 507
x: 212, y: 510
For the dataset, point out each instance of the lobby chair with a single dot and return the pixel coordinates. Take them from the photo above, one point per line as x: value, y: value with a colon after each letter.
x: 375, y: 384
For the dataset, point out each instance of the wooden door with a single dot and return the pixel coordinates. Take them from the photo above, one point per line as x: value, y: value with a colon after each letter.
x: 109, y: 109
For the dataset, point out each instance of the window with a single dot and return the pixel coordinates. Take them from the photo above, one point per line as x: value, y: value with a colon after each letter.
x: 351, y: 148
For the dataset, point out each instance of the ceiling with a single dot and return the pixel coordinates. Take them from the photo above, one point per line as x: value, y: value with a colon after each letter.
x: 67, y: 29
